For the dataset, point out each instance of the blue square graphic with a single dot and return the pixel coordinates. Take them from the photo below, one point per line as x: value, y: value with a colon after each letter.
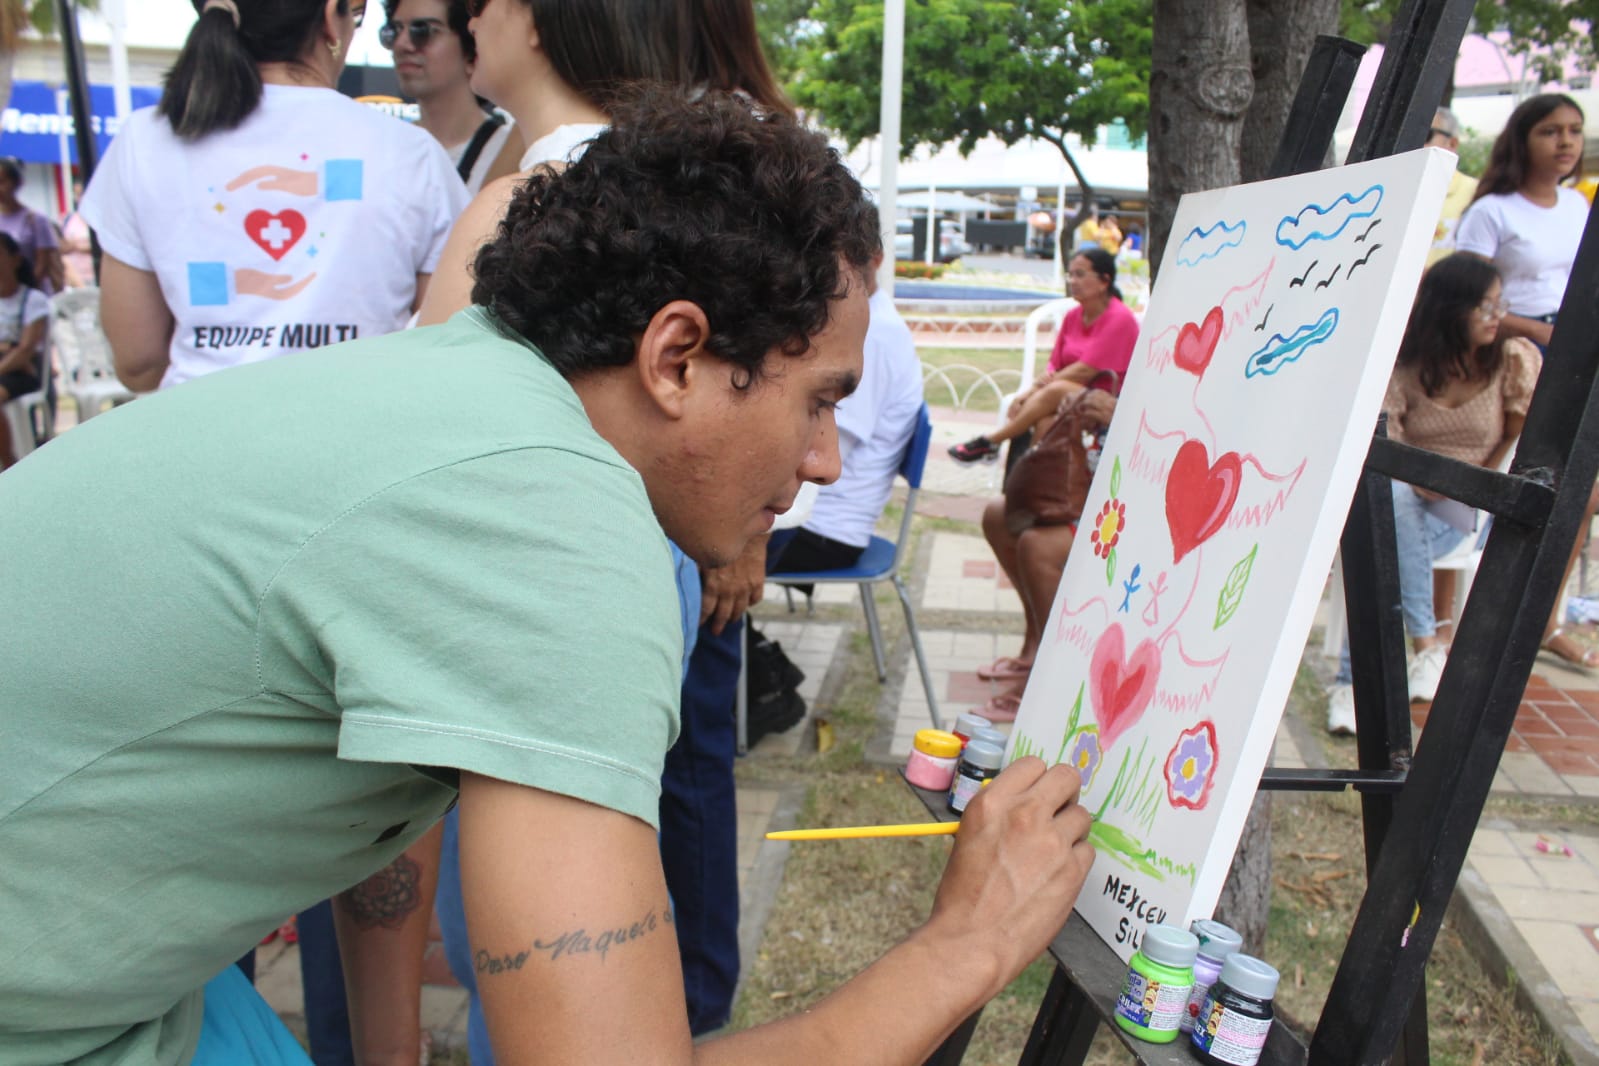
x: 208, y: 284
x: 343, y: 179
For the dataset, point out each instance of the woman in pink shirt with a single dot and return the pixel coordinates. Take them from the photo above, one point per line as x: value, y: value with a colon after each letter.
x: 1098, y: 334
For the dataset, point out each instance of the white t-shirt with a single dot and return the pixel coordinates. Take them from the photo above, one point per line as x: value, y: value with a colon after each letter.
x: 19, y: 310
x: 875, y: 423
x: 1533, y: 247
x: 485, y: 159
x: 306, y: 225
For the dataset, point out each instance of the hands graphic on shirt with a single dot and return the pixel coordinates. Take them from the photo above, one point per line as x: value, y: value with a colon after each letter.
x: 247, y: 282
x: 277, y: 179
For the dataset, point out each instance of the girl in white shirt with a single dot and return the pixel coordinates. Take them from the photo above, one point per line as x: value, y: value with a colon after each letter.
x: 1524, y: 218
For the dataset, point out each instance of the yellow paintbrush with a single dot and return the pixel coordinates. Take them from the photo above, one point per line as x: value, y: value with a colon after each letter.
x: 860, y: 832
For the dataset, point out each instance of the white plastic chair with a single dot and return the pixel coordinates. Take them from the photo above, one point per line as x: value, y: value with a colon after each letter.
x: 84, y: 353
x: 1051, y: 313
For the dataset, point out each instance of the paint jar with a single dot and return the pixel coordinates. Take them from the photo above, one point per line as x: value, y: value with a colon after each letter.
x: 967, y: 724
x: 934, y: 756
x: 1216, y: 942
x: 1235, y: 1017
x: 1154, y: 995
x: 980, y: 764
x: 992, y: 735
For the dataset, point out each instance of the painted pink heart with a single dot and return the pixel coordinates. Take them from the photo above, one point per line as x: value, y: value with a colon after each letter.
x: 1120, y: 688
x: 1199, y: 495
x: 275, y: 231
x: 1196, y: 344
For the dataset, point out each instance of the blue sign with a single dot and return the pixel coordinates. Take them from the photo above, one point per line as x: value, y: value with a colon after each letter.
x: 31, y: 127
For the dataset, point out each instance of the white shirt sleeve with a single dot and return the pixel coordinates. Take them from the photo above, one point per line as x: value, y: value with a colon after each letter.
x: 1479, y: 231
x: 106, y: 205
x: 36, y: 305
x: 446, y: 195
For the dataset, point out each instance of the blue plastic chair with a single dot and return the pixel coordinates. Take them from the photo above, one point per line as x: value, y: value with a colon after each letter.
x: 879, y: 562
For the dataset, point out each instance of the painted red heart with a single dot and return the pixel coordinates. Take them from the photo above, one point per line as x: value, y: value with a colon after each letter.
x: 275, y: 231
x: 1199, y: 495
x: 1120, y: 687
x: 1196, y: 344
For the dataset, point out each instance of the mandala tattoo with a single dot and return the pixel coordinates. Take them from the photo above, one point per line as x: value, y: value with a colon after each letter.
x: 386, y: 898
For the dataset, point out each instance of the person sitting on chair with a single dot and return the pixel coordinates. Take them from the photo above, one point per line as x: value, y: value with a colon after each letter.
x: 24, y: 311
x: 1096, y: 335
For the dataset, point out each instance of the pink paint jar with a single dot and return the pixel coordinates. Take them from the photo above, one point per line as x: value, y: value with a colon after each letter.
x: 934, y: 756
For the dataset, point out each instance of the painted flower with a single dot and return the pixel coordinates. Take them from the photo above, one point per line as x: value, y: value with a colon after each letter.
x: 1191, y: 767
x: 1108, y: 527
x: 1085, y: 754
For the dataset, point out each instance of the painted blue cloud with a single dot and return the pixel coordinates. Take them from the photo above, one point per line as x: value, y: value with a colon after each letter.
x: 1202, y: 244
x: 1280, y: 351
x: 1316, y: 223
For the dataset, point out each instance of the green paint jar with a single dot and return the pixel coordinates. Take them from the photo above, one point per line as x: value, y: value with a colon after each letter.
x: 1154, y: 995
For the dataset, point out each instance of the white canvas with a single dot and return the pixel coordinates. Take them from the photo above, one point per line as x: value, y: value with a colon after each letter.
x: 1214, y: 516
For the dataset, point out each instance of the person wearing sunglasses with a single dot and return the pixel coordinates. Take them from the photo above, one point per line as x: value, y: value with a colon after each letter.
x: 433, y: 59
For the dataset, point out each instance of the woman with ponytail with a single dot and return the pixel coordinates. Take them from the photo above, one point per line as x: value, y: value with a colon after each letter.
x: 256, y: 210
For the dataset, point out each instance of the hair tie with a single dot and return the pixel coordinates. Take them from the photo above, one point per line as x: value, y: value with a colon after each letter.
x: 226, y: 5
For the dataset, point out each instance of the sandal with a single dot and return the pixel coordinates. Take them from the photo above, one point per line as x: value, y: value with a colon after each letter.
x: 1562, y: 645
x: 1001, y: 708
x: 975, y: 450
x: 1005, y: 668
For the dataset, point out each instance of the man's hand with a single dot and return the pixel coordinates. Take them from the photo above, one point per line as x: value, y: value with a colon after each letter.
x: 1020, y: 860
x: 729, y: 591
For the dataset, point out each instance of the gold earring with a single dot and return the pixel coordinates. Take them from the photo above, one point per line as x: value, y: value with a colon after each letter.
x: 333, y: 49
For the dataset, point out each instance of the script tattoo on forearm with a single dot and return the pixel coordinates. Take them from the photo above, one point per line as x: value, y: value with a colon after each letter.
x: 574, y: 942
x: 386, y: 898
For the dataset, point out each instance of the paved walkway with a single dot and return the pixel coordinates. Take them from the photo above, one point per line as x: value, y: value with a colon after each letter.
x: 1530, y: 896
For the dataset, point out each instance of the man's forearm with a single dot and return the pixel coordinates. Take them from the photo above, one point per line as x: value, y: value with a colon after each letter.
x: 383, y: 929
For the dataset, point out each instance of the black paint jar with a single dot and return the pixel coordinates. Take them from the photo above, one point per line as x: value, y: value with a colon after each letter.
x: 1236, y: 1014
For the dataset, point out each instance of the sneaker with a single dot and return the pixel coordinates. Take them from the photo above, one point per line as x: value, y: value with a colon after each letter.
x: 978, y: 449
x: 1425, y: 670
x: 1341, y: 710
x: 776, y: 713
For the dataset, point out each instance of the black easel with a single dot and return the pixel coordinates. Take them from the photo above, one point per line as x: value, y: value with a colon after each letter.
x: 1419, y: 811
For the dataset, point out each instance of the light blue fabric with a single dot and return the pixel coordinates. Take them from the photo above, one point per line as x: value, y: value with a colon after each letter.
x: 1419, y: 537
x: 239, y: 1029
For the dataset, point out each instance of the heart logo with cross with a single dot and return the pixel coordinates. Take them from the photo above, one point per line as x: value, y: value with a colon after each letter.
x: 275, y: 232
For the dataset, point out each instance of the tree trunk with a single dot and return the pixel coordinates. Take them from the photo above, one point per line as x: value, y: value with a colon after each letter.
x: 1281, y: 33
x: 1199, y: 90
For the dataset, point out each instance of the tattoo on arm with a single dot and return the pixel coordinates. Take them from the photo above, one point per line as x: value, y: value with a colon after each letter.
x: 574, y: 942
x: 386, y: 898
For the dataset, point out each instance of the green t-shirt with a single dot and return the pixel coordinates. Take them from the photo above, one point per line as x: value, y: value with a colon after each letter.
x: 241, y: 614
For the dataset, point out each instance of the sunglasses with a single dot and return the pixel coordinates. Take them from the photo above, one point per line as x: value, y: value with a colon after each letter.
x: 421, y: 31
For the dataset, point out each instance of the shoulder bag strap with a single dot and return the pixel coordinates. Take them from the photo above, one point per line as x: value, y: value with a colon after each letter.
x: 474, y: 147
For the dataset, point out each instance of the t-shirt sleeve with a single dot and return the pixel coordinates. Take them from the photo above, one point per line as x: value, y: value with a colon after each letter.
x: 1479, y: 229
x: 1395, y: 403
x: 1520, y: 376
x: 446, y: 199
x: 1120, y: 339
x: 515, y: 615
x: 35, y: 305
x: 108, y: 206
x: 44, y: 234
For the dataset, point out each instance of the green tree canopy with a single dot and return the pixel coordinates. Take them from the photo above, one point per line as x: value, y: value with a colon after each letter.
x: 975, y: 68
x: 1544, y: 31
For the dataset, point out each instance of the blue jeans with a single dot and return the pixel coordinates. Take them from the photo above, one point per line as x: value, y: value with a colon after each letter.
x: 1419, y: 537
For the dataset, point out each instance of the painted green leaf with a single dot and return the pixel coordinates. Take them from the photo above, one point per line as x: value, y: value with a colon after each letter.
x: 1110, y: 567
x: 1116, y: 477
x: 1071, y: 723
x: 1232, y: 593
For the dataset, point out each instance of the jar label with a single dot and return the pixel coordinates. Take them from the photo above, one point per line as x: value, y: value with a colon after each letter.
x: 966, y: 787
x: 1196, y: 1000
x: 1230, y: 1037
x: 1154, y: 1005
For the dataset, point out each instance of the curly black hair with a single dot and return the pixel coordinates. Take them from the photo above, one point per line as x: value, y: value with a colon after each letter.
x: 750, y: 216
